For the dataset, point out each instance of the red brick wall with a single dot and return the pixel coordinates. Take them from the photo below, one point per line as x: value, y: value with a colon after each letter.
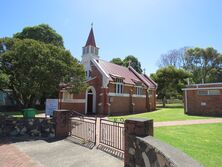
x: 140, y: 104
x: 119, y: 104
x: 79, y: 107
x: 213, y: 104
x: 96, y: 83
x: 152, y: 100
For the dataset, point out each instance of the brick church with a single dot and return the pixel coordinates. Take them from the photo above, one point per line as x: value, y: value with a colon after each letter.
x: 112, y: 89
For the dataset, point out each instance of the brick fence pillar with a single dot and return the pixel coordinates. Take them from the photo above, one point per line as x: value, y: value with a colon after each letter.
x: 105, y: 101
x: 62, y: 121
x: 135, y: 127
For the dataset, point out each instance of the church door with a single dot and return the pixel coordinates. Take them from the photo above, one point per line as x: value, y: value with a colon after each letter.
x: 90, y: 102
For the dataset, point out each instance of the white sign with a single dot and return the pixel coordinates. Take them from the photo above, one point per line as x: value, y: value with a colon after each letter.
x: 203, y: 104
x: 50, y: 106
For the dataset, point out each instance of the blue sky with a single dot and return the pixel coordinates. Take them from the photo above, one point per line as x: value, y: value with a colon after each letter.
x: 144, y: 28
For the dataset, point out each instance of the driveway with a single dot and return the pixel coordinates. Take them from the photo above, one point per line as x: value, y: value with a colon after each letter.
x: 61, y: 153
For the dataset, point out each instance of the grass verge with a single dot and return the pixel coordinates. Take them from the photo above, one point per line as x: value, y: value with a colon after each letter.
x: 172, y: 112
x: 201, y: 142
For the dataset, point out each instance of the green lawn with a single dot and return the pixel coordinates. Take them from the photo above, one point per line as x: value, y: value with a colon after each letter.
x: 14, y: 114
x: 172, y: 112
x: 201, y: 142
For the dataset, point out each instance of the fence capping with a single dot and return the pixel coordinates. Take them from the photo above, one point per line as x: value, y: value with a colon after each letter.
x: 139, y: 127
x: 158, y: 152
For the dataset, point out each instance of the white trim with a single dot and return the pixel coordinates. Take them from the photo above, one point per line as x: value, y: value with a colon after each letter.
x: 105, y: 76
x: 73, y: 100
x: 90, y: 79
x: 119, y: 94
x: 207, y: 88
x: 218, y: 83
x: 143, y: 96
x: 94, y: 98
x: 125, y: 84
x: 186, y: 104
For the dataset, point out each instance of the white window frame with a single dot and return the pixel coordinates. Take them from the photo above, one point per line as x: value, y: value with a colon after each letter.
x: 139, y: 90
x: 213, y: 92
x: 119, y: 86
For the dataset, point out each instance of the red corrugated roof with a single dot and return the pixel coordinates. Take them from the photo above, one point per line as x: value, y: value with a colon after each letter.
x: 91, y: 39
x: 129, y: 75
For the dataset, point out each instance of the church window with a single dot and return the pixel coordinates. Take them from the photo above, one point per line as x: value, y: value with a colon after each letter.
x: 96, y: 51
x: 139, y: 90
x: 119, y: 86
x: 87, y: 50
x: 92, y: 49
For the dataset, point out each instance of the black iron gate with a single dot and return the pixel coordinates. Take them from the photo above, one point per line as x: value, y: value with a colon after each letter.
x: 112, y: 134
x: 83, y: 128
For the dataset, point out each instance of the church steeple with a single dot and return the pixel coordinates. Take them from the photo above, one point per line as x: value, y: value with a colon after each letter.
x: 89, y: 51
x: 91, y: 39
x: 90, y: 48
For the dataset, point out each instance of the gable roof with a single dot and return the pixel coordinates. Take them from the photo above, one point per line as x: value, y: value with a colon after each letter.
x: 91, y: 39
x: 129, y: 75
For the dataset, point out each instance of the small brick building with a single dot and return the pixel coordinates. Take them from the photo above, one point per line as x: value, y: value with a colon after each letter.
x: 113, y: 89
x: 203, y: 99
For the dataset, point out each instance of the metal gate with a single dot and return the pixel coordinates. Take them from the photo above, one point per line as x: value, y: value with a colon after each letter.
x: 83, y: 128
x: 112, y: 134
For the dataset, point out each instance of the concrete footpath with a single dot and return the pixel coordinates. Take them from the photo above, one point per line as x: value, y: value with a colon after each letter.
x: 62, y: 153
x: 188, y: 122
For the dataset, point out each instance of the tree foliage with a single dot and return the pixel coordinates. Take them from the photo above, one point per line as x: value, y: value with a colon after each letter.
x: 170, y: 82
x: 205, y: 64
x: 175, y: 57
x: 117, y: 61
x: 132, y: 60
x: 43, y: 33
x: 33, y: 69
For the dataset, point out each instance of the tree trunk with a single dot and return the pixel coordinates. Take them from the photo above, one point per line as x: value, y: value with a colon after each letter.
x: 164, y: 101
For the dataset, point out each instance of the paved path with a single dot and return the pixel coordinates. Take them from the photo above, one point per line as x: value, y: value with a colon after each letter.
x: 11, y: 156
x: 188, y: 122
x: 63, y: 153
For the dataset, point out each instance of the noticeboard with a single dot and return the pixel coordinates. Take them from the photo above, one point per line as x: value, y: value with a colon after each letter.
x: 51, y: 105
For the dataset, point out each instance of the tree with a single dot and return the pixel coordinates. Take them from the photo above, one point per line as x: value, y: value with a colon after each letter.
x: 205, y: 64
x: 133, y: 62
x: 43, y: 33
x: 173, y: 58
x: 33, y: 69
x: 170, y: 82
x: 117, y: 61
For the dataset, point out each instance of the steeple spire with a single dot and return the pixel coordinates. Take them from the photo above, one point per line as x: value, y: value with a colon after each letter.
x: 91, y: 39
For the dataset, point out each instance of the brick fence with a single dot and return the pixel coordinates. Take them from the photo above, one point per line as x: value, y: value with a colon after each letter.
x: 27, y: 127
x: 143, y: 150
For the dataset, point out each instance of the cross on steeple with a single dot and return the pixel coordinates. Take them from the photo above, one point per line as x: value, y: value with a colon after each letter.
x: 129, y: 63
